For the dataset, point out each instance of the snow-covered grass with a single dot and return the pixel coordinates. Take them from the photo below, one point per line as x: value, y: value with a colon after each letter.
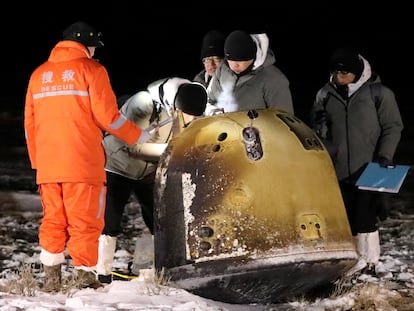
x: 21, y: 212
x: 20, y: 215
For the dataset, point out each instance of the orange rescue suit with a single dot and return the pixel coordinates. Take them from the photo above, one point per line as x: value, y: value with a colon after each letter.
x: 69, y: 105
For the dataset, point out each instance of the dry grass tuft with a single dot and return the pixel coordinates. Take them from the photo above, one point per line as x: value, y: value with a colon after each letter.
x: 70, y: 285
x: 342, y: 287
x: 161, y: 279
x: 22, y: 282
x: 350, y: 294
x: 371, y: 297
x: 160, y: 283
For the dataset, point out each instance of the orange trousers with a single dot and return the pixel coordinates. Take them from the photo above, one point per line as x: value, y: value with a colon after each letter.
x: 73, y: 217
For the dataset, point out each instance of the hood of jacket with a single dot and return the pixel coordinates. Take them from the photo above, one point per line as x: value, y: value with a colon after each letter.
x: 68, y: 50
x: 264, y: 55
x: 365, y: 76
x: 163, y: 91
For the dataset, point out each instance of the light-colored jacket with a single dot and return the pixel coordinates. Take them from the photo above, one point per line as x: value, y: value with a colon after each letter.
x: 203, y: 78
x: 265, y: 86
x: 69, y: 104
x: 359, y: 129
x: 153, y: 107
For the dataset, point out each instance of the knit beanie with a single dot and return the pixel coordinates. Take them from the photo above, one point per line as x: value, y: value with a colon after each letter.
x: 191, y: 98
x: 213, y: 44
x: 239, y: 46
x: 346, y: 59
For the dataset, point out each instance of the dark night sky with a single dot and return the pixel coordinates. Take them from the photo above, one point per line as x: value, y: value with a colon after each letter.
x: 149, y: 43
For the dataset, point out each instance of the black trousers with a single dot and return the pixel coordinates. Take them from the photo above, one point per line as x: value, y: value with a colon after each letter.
x: 361, y: 208
x: 119, y: 190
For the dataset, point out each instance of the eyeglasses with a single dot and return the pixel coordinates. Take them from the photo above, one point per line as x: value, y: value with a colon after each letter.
x: 342, y: 72
x: 214, y: 59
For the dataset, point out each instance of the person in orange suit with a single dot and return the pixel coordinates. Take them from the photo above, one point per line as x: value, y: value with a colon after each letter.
x: 69, y: 105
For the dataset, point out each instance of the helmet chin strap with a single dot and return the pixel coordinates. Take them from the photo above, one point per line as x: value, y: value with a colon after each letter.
x: 91, y: 50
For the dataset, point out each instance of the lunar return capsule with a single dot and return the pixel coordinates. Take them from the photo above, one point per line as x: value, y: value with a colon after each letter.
x: 248, y: 209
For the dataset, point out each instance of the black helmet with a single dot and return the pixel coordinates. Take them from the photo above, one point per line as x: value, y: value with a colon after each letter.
x: 191, y: 98
x: 83, y: 33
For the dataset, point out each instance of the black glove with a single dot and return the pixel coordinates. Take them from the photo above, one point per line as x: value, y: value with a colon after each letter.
x: 384, y: 162
x: 320, y: 123
x: 320, y: 117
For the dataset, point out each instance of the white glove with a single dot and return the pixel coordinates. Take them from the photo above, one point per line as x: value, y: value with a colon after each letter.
x: 212, y: 110
x: 147, y: 152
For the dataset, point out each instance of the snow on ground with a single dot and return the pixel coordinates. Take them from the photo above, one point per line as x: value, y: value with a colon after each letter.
x: 20, y: 214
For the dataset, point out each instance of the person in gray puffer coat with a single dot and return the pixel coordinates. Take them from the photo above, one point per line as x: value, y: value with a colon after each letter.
x: 359, y: 121
x: 248, y: 78
x: 131, y: 169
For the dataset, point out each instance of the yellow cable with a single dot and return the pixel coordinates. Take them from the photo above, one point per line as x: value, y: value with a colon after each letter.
x: 123, y: 275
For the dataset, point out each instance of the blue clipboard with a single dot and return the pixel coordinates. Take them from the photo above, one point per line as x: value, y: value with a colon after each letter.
x: 384, y: 179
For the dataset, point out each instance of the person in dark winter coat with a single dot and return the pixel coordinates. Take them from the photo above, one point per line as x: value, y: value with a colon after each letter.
x: 248, y: 78
x: 359, y: 121
x: 212, y: 54
x: 131, y: 169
